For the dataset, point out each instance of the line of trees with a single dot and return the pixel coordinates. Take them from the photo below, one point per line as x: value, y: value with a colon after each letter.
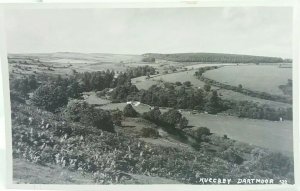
x: 216, y: 57
x: 135, y: 72
x: 172, y: 118
x: 169, y: 95
x: 181, y: 96
x: 98, y: 81
x: 253, y: 110
x: 56, y: 91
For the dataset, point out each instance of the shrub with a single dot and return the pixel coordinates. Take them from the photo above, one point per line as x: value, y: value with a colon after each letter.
x: 74, y: 110
x: 102, y: 93
x: 276, y: 163
x: 187, y: 83
x: 74, y: 89
x: 129, y: 111
x: 207, y: 87
x: 23, y: 85
x: 183, y: 123
x: 232, y: 156
x: 150, y: 132
x: 49, y: 97
x: 178, y: 83
x: 152, y: 115
x: 170, y: 118
x: 117, y: 117
x: 148, y: 59
x: 202, y: 131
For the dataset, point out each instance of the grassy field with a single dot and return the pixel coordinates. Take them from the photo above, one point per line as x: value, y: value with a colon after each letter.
x: 263, y: 78
x: 276, y: 136
x: 180, y: 75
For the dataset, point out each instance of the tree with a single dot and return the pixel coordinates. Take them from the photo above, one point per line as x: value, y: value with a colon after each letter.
x: 207, y: 87
x: 129, y: 111
x: 187, y: 83
x: 75, y: 109
x: 202, y: 131
x: 49, y: 97
x: 183, y: 123
x: 152, y: 115
x: 74, y: 89
x: 117, y: 117
x: 82, y: 112
x: 240, y: 87
x: 149, y: 132
x: 32, y: 82
x: 214, y: 104
x: 148, y: 59
x: 178, y: 83
x: 170, y: 118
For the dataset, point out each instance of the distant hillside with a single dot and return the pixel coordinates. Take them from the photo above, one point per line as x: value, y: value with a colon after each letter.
x: 215, y: 57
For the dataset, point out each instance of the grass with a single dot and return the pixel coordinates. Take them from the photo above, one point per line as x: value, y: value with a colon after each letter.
x: 276, y: 136
x: 134, y: 126
x: 265, y: 78
x: 92, y: 99
x: 29, y: 173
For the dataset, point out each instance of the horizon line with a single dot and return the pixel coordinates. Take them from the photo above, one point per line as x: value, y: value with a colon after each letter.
x: 8, y: 53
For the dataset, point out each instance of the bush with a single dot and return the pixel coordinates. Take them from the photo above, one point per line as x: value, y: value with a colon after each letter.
x: 23, y: 85
x: 148, y: 59
x: 276, y: 163
x: 74, y: 89
x: 207, y: 87
x: 170, y: 118
x: 187, y: 83
x: 82, y: 112
x: 152, y: 115
x: 202, y: 131
x: 117, y: 117
x: 178, y: 83
x: 232, y: 156
x: 129, y: 111
x: 49, y: 97
x: 183, y: 123
x: 150, y: 132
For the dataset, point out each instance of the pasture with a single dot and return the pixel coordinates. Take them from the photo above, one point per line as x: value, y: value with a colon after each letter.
x: 262, y: 78
x: 276, y: 136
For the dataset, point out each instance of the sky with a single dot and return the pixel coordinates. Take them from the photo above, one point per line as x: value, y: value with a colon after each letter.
x: 265, y: 31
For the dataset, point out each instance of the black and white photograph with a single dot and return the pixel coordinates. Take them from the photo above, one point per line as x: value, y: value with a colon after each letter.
x: 161, y: 95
